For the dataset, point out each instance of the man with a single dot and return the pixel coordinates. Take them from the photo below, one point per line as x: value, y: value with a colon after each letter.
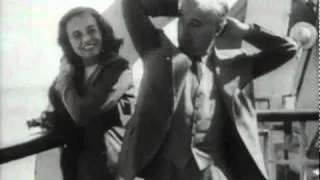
x: 193, y: 119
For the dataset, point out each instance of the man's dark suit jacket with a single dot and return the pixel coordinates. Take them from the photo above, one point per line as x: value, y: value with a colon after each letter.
x: 165, y: 67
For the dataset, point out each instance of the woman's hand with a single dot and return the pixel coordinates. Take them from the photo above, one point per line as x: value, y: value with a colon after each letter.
x: 66, y: 73
x: 66, y: 68
x: 45, y: 121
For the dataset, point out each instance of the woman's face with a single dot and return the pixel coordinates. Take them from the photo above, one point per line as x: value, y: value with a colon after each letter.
x: 84, y: 36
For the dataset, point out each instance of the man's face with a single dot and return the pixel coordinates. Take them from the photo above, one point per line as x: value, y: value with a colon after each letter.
x: 196, y: 28
x: 84, y: 36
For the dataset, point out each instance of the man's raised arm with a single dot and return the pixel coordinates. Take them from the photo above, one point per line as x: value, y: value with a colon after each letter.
x: 275, y: 50
x: 144, y: 35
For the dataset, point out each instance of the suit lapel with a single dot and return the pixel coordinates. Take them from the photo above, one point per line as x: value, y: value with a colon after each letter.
x: 245, y: 119
x: 241, y: 111
x: 231, y: 82
x: 180, y: 66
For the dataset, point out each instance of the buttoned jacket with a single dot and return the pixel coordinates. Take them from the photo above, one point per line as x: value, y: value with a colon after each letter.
x: 165, y: 68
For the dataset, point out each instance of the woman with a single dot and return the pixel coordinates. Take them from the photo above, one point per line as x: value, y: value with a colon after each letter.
x: 89, y: 97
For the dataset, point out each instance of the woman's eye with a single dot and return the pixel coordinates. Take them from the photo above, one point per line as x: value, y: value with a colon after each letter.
x: 76, y: 35
x: 92, y: 31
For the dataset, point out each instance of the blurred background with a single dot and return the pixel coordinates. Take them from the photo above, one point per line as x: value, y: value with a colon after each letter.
x: 29, y: 57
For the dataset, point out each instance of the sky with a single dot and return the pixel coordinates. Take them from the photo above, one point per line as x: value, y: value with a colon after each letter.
x: 29, y: 53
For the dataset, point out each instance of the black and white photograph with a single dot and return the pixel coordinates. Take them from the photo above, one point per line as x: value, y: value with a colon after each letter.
x: 159, y: 90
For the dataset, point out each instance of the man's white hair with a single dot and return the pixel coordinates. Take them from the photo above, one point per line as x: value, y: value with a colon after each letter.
x: 219, y: 8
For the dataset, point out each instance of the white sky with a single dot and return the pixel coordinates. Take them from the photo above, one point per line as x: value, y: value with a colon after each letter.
x: 29, y: 53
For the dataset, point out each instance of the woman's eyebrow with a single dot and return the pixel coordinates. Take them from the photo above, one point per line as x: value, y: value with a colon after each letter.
x: 91, y: 26
x: 75, y: 32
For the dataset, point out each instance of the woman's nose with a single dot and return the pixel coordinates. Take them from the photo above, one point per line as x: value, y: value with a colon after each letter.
x: 86, y: 38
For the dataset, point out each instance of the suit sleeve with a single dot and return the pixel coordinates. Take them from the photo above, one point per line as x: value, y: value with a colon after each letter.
x: 144, y: 35
x: 275, y: 50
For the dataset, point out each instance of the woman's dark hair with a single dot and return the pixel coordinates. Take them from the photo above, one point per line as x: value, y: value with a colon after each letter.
x: 110, y: 44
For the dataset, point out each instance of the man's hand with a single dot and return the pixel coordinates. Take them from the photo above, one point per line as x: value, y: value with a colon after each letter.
x: 234, y: 29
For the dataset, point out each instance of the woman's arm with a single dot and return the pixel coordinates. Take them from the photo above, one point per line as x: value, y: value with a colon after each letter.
x: 55, y: 115
x: 104, y: 94
x: 119, y: 89
x: 65, y: 86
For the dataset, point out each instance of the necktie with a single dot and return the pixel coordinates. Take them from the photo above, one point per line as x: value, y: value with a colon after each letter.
x: 196, y: 68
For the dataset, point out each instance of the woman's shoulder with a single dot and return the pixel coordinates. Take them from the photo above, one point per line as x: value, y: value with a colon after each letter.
x: 116, y: 63
x: 120, y: 60
x: 114, y: 68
